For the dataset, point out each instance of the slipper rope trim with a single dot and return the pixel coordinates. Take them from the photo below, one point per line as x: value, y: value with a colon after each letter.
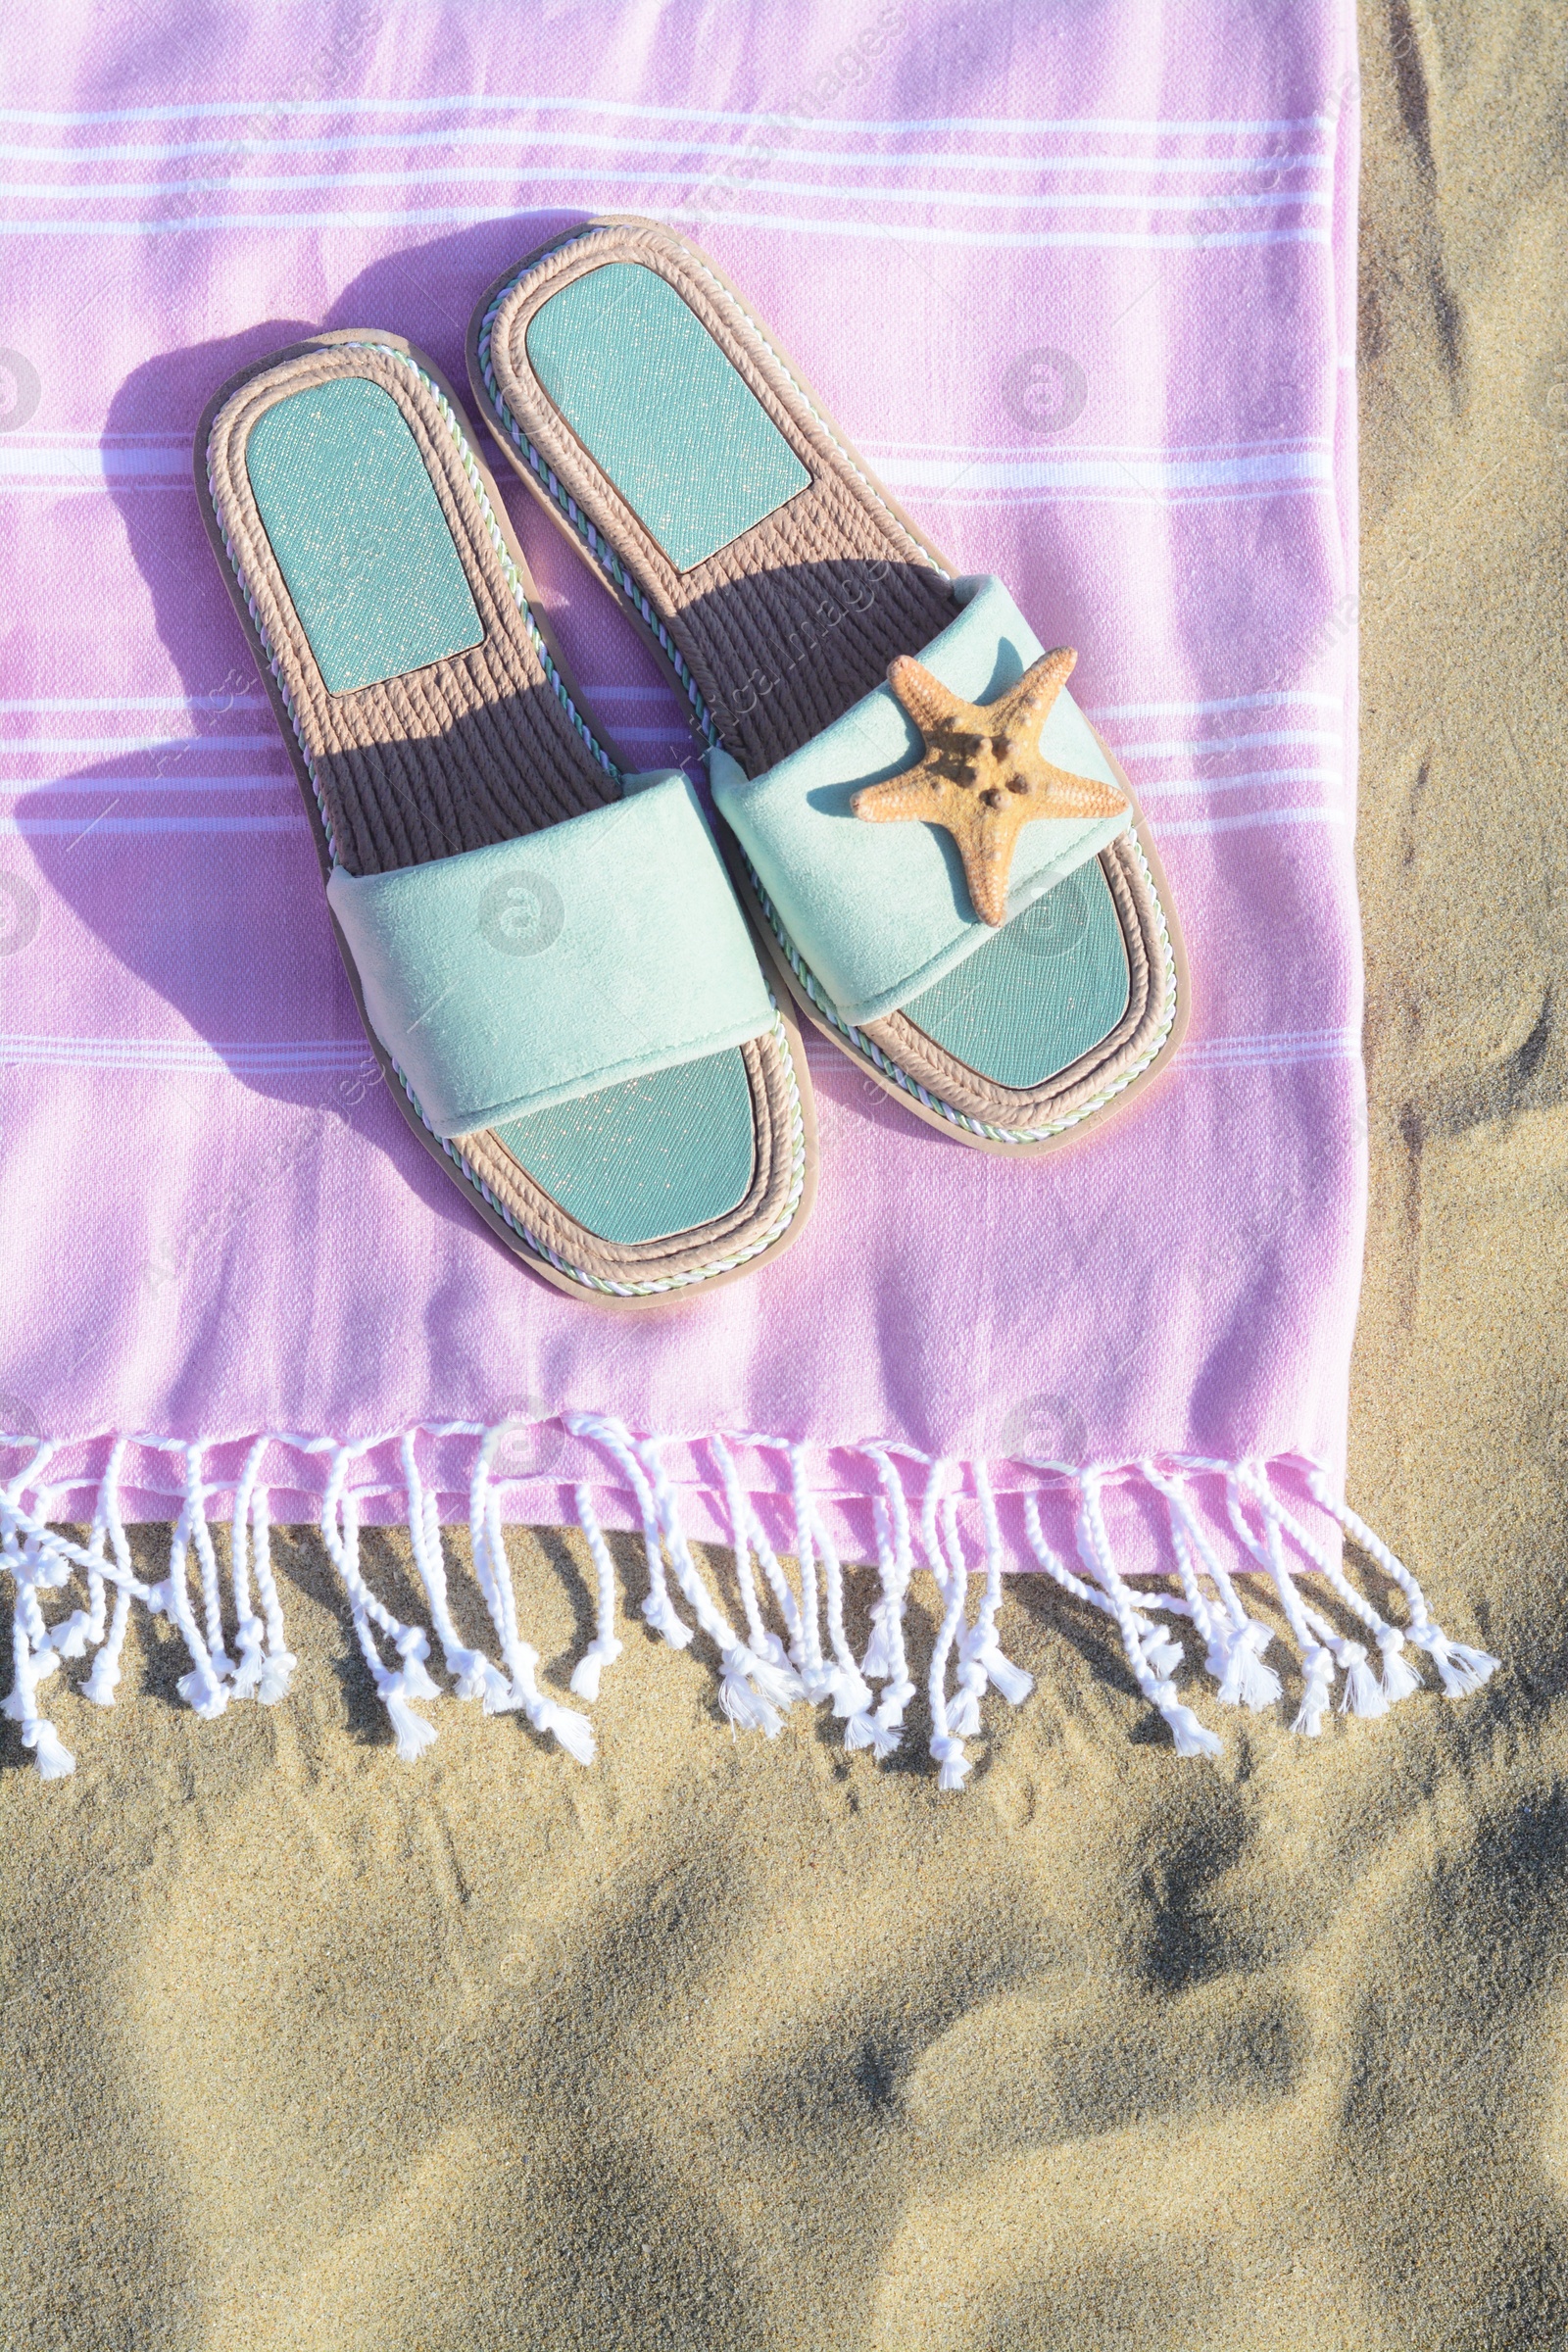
x: 540, y: 1247
x: 612, y: 565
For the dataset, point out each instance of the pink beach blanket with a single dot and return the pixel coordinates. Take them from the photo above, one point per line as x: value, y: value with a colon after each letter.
x: 1079, y: 282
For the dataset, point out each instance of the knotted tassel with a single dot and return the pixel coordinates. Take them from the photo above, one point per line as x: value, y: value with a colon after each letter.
x: 852, y: 1694
x: 1318, y: 1663
x: 658, y: 1609
x: 1317, y: 1659
x: 1399, y: 1677
x: 1235, y: 1641
x: 101, y: 1683
x: 949, y: 1755
x: 473, y: 1674
x: 1363, y: 1694
x: 752, y: 1689
x: 744, y: 1706
x: 50, y: 1753
x: 890, y: 1518
x: 203, y: 1689
x: 280, y: 1659
x: 572, y: 1730
x: 1162, y: 1655
x: 1246, y: 1681
x: 340, y: 1533
x: 413, y: 1647
x: 872, y: 1731
x: 412, y: 1732
x: 1462, y: 1669
x: 604, y: 1647
x: 947, y: 1744
x: 747, y: 1537
x: 569, y: 1730
x: 964, y: 1714
x: 979, y: 1647
x: 54, y: 1760
x: 266, y: 1660
x: 201, y: 1538
x: 807, y: 1658
x: 1190, y: 1736
x: 876, y: 1665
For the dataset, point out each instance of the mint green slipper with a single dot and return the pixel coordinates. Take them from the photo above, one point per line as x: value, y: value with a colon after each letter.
x: 944, y: 860
x: 548, y: 955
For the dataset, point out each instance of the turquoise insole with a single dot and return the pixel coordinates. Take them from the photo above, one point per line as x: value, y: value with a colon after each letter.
x: 1052, y: 984
x: 658, y: 408
x: 663, y: 412
x: 694, y: 1151
x: 379, y: 589
x: 359, y: 534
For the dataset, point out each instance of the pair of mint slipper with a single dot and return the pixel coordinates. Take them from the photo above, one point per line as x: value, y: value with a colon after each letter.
x: 941, y: 864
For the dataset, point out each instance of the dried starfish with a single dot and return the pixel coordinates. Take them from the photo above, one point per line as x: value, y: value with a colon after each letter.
x: 981, y: 775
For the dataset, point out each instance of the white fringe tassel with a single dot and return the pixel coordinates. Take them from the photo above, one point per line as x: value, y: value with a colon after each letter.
x: 473, y: 1674
x: 753, y: 1691
x: 946, y: 1741
x: 572, y: 1730
x: 763, y: 1672
x: 1460, y: 1668
x: 659, y: 1610
x: 751, y: 1537
x: 1234, y: 1642
x: 104, y: 1680
x: 979, y: 1647
x: 266, y: 1661
x: 395, y: 1685
x: 1190, y: 1737
x: 885, y: 1659
x: 604, y: 1647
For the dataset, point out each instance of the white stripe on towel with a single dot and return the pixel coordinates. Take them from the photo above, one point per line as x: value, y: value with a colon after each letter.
x: 1255, y: 818
x: 470, y: 135
x: 1270, y: 1051
x: 1069, y: 471
x: 245, y: 1059
x: 47, y: 827
x: 1254, y: 777
x: 914, y: 234
x: 193, y: 110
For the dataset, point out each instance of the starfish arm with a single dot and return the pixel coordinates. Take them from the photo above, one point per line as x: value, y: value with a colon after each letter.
x: 1079, y: 796
x: 908, y: 795
x: 927, y: 700
x: 1035, y: 691
x: 986, y: 878
x: 987, y: 851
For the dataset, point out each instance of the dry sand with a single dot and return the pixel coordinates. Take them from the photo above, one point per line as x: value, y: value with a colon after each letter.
x: 725, y: 2044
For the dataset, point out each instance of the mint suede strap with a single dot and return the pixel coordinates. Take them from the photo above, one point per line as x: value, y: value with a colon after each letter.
x: 880, y: 912
x: 597, y: 950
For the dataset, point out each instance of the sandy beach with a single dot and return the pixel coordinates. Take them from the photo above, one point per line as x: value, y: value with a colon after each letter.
x: 734, y: 2043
